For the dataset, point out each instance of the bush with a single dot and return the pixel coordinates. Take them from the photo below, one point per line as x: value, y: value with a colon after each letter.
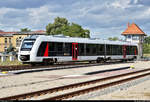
x: 146, y: 48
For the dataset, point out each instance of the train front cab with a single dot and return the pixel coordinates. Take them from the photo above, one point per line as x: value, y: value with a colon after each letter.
x: 25, y: 49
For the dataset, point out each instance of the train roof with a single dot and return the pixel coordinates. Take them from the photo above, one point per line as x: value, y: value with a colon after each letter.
x: 32, y: 37
x: 61, y: 38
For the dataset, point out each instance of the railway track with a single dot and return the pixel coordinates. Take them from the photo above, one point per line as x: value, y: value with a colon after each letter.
x: 72, y: 90
x: 57, y: 66
x: 24, y: 67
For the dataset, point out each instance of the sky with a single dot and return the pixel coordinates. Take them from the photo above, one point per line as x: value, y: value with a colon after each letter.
x: 104, y: 18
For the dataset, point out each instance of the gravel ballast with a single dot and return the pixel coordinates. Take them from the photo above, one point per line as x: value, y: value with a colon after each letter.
x: 112, y: 89
x: 29, y: 82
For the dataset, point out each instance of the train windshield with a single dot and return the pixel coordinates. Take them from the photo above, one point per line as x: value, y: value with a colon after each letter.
x: 27, y: 45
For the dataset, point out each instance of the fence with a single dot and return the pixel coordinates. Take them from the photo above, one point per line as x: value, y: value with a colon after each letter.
x: 11, y: 57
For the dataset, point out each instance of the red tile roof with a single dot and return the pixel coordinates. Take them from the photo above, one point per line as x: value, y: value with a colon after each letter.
x: 40, y: 31
x: 133, y: 29
x: 32, y: 32
x: 7, y: 32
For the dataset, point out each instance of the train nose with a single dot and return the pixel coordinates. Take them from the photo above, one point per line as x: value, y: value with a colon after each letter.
x: 24, y: 57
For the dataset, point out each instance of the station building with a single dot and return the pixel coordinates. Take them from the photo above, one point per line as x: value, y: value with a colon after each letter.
x: 134, y: 34
x: 15, y: 38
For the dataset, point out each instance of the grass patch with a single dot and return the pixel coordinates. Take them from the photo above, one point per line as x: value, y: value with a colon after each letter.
x: 8, y: 62
x: 147, y: 94
x: 146, y: 55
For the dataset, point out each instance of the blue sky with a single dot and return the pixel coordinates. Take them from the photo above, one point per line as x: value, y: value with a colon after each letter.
x: 104, y: 18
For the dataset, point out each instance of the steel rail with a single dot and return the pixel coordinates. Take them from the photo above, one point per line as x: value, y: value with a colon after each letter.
x: 56, y: 89
x: 84, y: 91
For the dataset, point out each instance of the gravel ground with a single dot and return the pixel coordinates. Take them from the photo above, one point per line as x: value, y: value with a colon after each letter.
x: 28, y: 82
x: 139, y: 91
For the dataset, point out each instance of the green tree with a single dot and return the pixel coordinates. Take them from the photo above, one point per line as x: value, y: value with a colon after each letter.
x: 62, y: 26
x: 10, y: 48
x: 75, y: 30
x: 147, y: 40
x: 113, y: 38
x: 25, y: 30
x: 57, y: 26
x: 146, y: 48
x: 146, y: 45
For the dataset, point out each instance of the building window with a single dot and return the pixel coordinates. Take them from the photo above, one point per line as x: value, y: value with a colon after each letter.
x: 135, y: 37
x: 10, y: 40
x: 18, y: 41
x: 5, y: 40
x: 129, y: 36
x: 5, y: 49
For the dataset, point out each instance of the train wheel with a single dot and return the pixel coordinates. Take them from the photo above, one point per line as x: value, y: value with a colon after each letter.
x: 55, y: 60
x: 104, y: 60
x: 45, y: 63
x: 124, y: 60
x: 51, y: 63
x: 90, y: 61
x: 98, y: 60
x: 33, y: 64
x: 48, y: 61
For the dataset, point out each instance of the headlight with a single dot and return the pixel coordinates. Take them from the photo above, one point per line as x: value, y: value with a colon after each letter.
x: 24, y: 57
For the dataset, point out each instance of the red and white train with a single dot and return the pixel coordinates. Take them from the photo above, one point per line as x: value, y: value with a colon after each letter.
x: 53, y: 49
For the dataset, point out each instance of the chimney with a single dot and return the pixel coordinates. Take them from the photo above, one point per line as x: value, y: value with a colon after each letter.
x: 128, y: 24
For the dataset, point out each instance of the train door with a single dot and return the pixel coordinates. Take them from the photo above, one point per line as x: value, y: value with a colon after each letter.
x: 124, y: 51
x: 135, y: 51
x: 74, y: 51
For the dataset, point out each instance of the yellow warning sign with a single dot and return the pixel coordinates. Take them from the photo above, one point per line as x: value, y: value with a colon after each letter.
x: 4, y: 72
x: 132, y: 67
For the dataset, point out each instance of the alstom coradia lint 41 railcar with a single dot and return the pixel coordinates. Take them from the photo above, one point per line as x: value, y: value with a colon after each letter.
x: 52, y: 49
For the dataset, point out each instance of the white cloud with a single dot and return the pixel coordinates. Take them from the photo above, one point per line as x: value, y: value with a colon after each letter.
x: 146, y: 12
x: 121, y: 4
x: 136, y: 1
x: 124, y: 4
x: 33, y: 18
x: 108, y: 17
x: 36, y: 15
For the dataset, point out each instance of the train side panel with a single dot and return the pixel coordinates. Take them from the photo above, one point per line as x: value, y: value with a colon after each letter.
x: 62, y: 49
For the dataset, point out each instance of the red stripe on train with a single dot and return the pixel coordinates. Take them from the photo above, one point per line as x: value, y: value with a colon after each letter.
x: 46, y: 51
x: 135, y: 52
